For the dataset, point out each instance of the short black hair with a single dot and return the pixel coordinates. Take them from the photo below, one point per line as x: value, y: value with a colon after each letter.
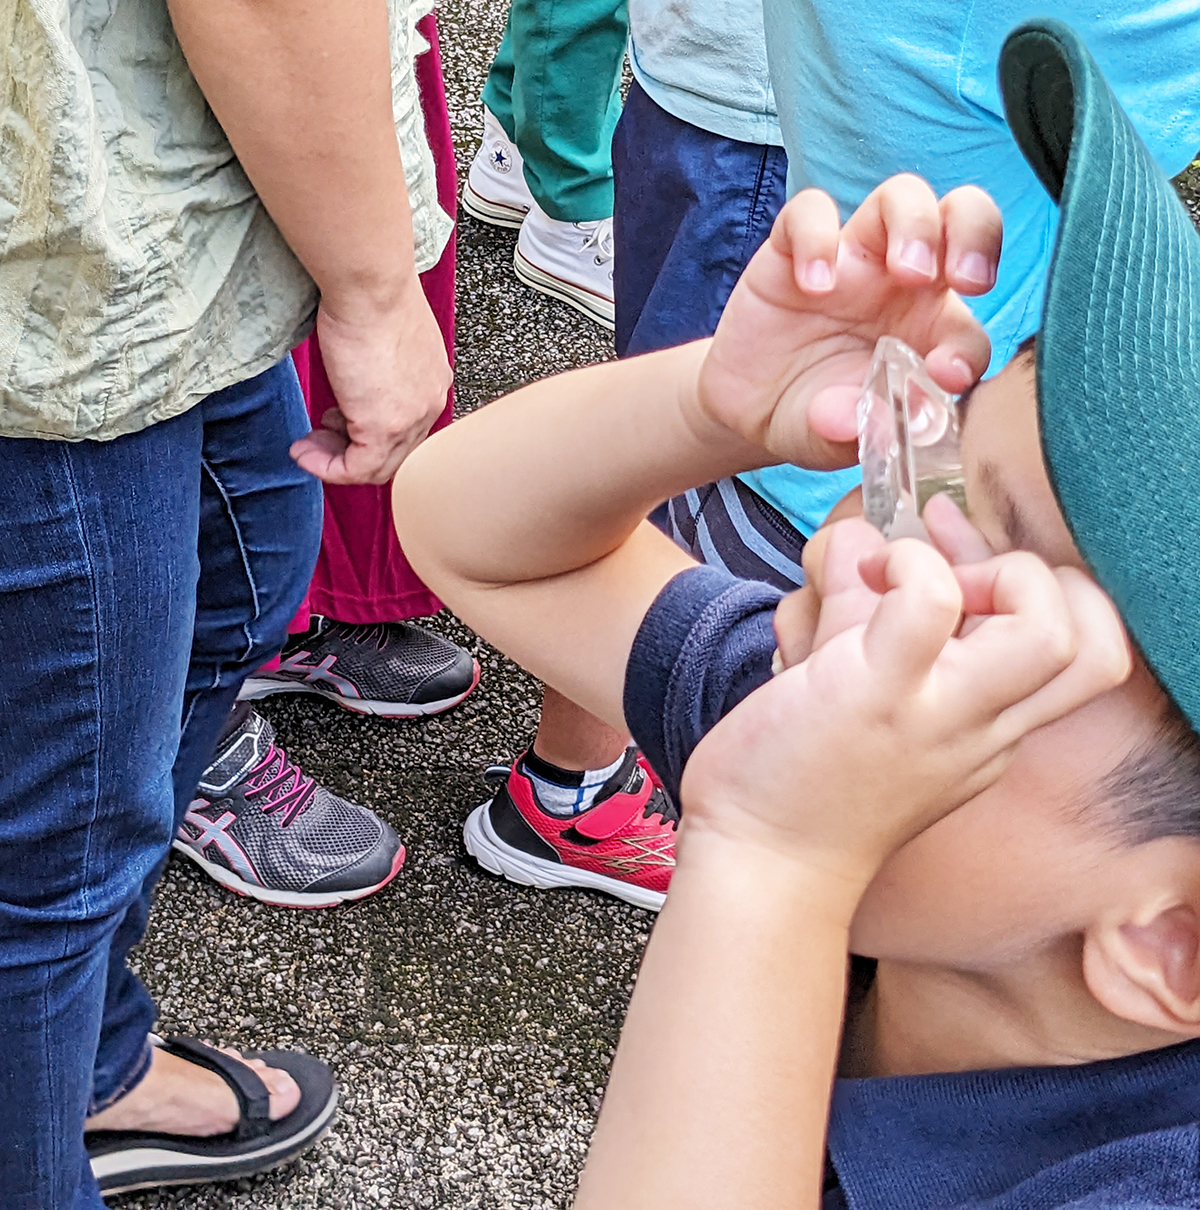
x: 1155, y: 791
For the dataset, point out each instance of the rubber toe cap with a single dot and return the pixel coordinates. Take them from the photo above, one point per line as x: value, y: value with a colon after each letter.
x: 369, y: 871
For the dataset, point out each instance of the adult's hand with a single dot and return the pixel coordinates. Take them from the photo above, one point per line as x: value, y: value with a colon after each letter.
x: 390, y: 376
x: 304, y: 92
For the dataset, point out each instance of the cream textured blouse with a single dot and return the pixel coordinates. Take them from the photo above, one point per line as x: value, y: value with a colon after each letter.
x: 139, y: 272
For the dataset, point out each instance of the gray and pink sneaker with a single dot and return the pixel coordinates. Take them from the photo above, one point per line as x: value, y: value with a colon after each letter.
x: 262, y: 827
x: 388, y: 669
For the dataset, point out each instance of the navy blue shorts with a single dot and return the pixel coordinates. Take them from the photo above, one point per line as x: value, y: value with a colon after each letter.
x: 727, y: 525
x: 691, y: 208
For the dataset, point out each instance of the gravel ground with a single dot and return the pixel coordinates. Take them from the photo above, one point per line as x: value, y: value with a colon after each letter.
x: 471, y: 1022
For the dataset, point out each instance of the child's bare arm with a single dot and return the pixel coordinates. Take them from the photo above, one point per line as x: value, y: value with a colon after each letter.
x: 529, y: 523
x: 791, y: 804
x: 526, y: 517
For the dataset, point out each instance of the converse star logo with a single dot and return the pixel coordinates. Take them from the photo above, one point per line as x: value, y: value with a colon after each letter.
x: 501, y: 160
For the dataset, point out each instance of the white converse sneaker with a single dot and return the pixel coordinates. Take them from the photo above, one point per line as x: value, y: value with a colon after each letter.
x: 495, y: 191
x: 572, y: 262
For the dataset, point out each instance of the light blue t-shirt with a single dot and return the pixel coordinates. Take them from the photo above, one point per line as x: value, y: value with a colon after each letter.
x: 871, y: 89
x: 705, y: 62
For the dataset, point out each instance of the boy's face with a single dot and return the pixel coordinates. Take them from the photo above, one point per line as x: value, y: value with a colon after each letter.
x: 1030, y: 861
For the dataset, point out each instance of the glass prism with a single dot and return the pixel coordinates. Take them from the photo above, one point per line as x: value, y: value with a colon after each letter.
x: 908, y: 441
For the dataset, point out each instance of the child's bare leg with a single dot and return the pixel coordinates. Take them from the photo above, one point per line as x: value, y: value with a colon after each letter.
x: 571, y: 738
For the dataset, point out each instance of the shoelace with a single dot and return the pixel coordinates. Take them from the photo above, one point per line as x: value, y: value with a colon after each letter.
x: 659, y: 804
x: 296, y: 789
x: 602, y: 240
x: 378, y: 633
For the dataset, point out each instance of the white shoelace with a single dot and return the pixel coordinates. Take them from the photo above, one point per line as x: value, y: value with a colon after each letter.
x: 601, y: 239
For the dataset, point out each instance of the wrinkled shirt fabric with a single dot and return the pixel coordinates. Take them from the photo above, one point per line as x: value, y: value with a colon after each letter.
x: 705, y: 62
x: 887, y: 86
x: 139, y: 272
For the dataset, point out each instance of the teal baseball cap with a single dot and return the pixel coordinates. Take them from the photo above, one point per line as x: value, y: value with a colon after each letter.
x: 1118, y: 353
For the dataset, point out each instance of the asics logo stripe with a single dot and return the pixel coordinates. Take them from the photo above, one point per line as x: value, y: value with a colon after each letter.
x: 215, y: 832
x: 657, y: 851
x: 294, y: 664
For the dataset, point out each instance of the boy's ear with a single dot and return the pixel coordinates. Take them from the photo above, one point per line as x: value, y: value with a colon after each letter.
x: 1147, y: 970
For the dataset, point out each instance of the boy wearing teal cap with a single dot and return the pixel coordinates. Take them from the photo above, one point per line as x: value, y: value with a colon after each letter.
x: 963, y: 775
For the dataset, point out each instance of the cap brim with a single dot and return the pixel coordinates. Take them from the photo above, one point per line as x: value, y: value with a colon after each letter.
x: 1118, y: 358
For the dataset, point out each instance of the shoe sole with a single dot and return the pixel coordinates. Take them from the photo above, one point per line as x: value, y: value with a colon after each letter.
x: 288, y: 899
x: 587, y: 302
x: 499, y: 858
x: 258, y: 687
x: 498, y: 214
x: 151, y: 1167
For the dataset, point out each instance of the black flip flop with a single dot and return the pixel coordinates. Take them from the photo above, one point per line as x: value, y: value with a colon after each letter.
x: 123, y: 1160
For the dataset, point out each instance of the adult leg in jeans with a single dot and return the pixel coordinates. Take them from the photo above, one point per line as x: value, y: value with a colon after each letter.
x: 97, y: 585
x: 98, y: 573
x: 259, y: 526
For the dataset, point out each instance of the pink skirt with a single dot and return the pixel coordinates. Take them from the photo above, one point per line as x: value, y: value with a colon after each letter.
x: 362, y: 574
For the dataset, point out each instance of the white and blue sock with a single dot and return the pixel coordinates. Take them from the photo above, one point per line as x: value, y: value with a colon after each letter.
x: 565, y: 792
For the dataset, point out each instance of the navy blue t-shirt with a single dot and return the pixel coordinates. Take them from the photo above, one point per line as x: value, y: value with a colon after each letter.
x: 1119, y: 1134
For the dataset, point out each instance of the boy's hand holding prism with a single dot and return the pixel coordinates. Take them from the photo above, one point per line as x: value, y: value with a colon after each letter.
x: 786, y: 366
x: 921, y: 678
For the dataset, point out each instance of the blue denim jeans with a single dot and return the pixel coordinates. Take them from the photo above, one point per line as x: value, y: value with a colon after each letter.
x: 141, y: 579
x: 691, y: 209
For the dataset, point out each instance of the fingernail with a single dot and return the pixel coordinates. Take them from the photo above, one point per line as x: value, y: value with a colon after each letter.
x: 975, y: 267
x: 817, y: 276
x: 963, y: 367
x: 917, y: 255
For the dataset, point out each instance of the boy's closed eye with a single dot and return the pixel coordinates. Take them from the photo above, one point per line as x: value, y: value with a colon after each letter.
x: 1008, y: 491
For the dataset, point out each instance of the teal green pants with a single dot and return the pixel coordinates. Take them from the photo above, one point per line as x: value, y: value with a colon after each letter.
x: 555, y: 88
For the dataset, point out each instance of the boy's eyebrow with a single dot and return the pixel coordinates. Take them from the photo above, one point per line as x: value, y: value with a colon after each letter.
x: 1017, y: 528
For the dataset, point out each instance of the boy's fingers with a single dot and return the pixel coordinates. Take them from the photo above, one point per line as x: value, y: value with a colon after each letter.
x: 846, y: 600
x: 900, y: 223
x: 1030, y: 640
x: 796, y: 619
x: 835, y: 597
x: 1102, y: 662
x: 812, y: 558
x: 958, y: 347
x: 953, y: 534
x: 917, y: 615
x: 808, y: 230
x: 973, y: 232
x: 832, y: 555
x: 959, y: 541
x: 833, y: 417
